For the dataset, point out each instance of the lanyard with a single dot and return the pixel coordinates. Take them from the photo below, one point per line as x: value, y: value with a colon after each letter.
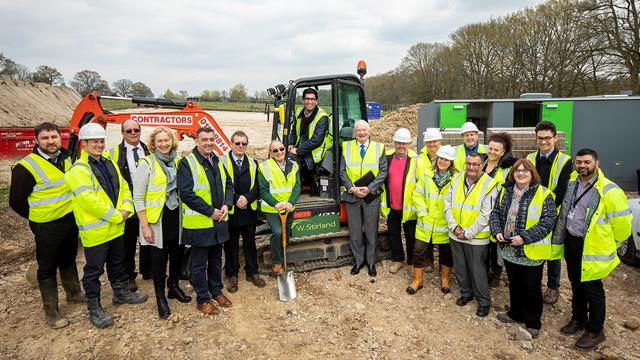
x: 575, y: 192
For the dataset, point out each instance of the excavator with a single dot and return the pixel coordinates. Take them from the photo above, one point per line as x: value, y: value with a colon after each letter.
x: 184, y: 116
x: 320, y: 237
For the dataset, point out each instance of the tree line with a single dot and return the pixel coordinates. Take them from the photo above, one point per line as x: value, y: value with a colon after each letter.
x: 564, y: 47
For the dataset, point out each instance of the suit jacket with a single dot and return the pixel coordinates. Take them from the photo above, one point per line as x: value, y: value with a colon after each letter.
x: 374, y: 186
x: 123, y: 165
x: 242, y: 186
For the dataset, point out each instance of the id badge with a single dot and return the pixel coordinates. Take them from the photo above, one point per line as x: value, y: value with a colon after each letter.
x: 570, y: 215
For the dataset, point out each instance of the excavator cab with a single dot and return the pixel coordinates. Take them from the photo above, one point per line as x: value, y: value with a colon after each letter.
x: 320, y: 237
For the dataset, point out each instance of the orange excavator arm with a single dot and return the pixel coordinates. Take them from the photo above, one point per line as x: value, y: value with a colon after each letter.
x: 186, y: 119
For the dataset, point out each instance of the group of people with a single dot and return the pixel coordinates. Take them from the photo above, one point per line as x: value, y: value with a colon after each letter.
x: 485, y: 210
x: 482, y: 208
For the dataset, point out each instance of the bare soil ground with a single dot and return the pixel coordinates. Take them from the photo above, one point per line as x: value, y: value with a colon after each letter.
x: 336, y: 315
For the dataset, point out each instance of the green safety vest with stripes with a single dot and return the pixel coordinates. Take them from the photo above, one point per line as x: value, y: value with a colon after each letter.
x: 355, y: 165
x: 319, y: 152
x: 97, y: 219
x: 50, y: 198
x: 192, y: 219
x: 541, y: 250
x: 429, y: 203
x: 408, y: 211
x: 227, y: 162
x: 461, y: 157
x: 156, y: 194
x: 280, y: 187
x: 466, y: 208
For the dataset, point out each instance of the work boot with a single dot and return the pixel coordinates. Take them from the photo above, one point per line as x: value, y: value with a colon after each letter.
x: 395, y: 267
x: 590, y: 340
x: 97, y: 315
x: 572, y: 327
x: 233, y: 284
x: 49, y: 292
x: 445, y: 274
x: 551, y: 296
x: 494, y: 280
x: 163, y: 307
x: 176, y: 293
x: 71, y: 285
x: 122, y: 294
x: 417, y: 282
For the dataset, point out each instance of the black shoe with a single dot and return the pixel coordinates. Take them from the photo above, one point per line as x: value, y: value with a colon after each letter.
x: 97, y: 316
x: 355, y: 270
x: 445, y: 290
x: 372, y: 271
x: 590, y: 340
x: 163, y: 307
x: 483, y: 311
x: 176, y: 293
x: 462, y: 300
x: 572, y: 327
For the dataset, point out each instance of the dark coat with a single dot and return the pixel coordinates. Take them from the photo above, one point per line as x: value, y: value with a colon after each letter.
x: 219, y: 233
x: 309, y: 142
x: 123, y: 165
x: 242, y: 186
x: 543, y: 166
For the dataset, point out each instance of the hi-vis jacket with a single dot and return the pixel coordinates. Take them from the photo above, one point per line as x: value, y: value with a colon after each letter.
x: 461, y: 156
x: 428, y: 201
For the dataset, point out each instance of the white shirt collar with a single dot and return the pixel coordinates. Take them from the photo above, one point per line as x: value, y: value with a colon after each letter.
x: 131, y: 147
x: 366, y: 145
x: 45, y: 155
x: 235, y: 158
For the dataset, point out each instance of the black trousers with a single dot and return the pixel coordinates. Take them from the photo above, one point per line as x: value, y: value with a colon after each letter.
x: 422, y: 250
x: 110, y: 253
x: 395, y: 227
x: 131, y: 232
x: 588, y: 302
x: 492, y: 260
x: 172, y: 251
x: 56, y: 245
x: 232, y: 250
x: 525, y: 294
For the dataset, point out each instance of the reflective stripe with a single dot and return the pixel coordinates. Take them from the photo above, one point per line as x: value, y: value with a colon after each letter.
x: 49, y: 200
x: 419, y: 190
x: 432, y: 196
x: 127, y: 201
x: 81, y: 189
x: 281, y: 190
x: 422, y: 211
x: 191, y: 212
x: 194, y: 173
x: 153, y: 203
x: 38, y: 169
x: 108, y: 215
x: 599, y: 257
x: 49, y: 185
x: 533, y: 216
x: 559, y: 166
x: 154, y: 187
x: 466, y: 206
x: 619, y: 213
x: 431, y: 227
x: 92, y: 225
x: 408, y: 208
x: 545, y: 241
x: 609, y: 186
x: 602, y: 220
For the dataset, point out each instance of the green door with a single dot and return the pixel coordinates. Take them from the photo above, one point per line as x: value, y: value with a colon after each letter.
x: 453, y: 115
x: 561, y: 114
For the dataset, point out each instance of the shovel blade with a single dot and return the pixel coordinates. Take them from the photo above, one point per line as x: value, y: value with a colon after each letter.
x: 286, y: 286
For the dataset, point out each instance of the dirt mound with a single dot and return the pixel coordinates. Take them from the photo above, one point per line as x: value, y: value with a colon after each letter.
x: 28, y: 104
x: 382, y: 130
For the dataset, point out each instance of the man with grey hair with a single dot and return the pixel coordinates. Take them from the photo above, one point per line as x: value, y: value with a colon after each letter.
x: 363, y: 163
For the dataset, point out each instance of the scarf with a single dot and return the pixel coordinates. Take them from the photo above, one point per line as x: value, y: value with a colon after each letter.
x: 441, y: 180
x: 169, y: 168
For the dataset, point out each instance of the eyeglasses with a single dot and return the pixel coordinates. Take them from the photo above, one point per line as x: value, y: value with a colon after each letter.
x: 132, y: 131
x: 309, y: 99
x: 238, y: 143
x: 275, y: 151
x: 544, y: 139
x: 522, y: 171
x: 472, y: 164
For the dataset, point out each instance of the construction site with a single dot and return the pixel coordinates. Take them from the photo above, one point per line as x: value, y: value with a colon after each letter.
x: 335, y: 315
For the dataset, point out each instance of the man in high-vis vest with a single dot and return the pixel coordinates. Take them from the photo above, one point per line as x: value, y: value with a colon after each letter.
x: 243, y: 170
x: 594, y: 221
x: 311, y: 138
x: 363, y: 158
x: 126, y: 156
x: 555, y: 169
x: 467, y: 208
x: 38, y: 193
x: 101, y: 204
x: 396, y: 200
x: 206, y: 192
x: 469, y: 133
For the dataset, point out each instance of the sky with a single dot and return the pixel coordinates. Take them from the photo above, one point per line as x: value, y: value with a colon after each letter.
x: 197, y: 45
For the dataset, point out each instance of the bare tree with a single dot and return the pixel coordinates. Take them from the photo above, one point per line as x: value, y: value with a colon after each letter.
x: 122, y: 87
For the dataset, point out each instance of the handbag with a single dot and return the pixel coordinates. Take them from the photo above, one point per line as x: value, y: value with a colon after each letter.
x: 185, y: 271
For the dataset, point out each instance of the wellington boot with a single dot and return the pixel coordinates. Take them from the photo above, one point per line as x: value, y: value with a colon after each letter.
x: 445, y: 274
x: 49, y: 292
x: 161, y: 300
x: 97, y: 315
x: 417, y: 282
x: 71, y: 285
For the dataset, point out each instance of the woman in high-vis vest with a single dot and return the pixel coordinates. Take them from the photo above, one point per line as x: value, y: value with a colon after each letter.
x: 279, y: 183
x: 428, y: 200
x: 499, y: 162
x: 521, y: 221
x: 155, y: 197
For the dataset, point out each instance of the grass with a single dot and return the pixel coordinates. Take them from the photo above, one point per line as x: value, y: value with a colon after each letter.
x: 207, y: 105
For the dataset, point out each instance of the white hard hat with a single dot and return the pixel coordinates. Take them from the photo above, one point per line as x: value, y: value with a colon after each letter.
x: 468, y: 126
x: 432, y: 134
x: 402, y: 135
x: 92, y: 131
x: 447, y: 152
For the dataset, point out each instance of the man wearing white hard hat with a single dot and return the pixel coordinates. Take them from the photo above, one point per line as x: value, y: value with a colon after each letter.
x: 101, y: 204
x: 395, y: 202
x: 469, y: 133
x: 432, y: 139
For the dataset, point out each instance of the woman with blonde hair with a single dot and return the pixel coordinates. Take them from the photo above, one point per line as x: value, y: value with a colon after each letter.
x: 155, y: 197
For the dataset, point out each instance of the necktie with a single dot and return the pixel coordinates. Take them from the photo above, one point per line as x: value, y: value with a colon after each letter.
x: 239, y: 162
x: 136, y: 157
x: 362, y: 151
x: 53, y: 161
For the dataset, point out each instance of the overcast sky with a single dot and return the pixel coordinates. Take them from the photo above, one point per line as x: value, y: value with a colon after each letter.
x: 196, y: 45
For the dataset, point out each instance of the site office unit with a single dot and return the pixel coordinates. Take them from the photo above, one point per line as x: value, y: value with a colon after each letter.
x: 609, y: 124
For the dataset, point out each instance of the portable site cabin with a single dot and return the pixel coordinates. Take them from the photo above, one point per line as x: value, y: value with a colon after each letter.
x: 609, y: 124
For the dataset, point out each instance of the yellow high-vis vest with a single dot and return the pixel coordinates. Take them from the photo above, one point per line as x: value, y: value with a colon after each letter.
x: 319, y: 152
x: 280, y: 187
x: 156, y: 194
x: 429, y: 203
x: 466, y: 208
x: 461, y: 156
x: 556, y: 167
x: 192, y: 219
x: 355, y: 165
x: 227, y: 163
